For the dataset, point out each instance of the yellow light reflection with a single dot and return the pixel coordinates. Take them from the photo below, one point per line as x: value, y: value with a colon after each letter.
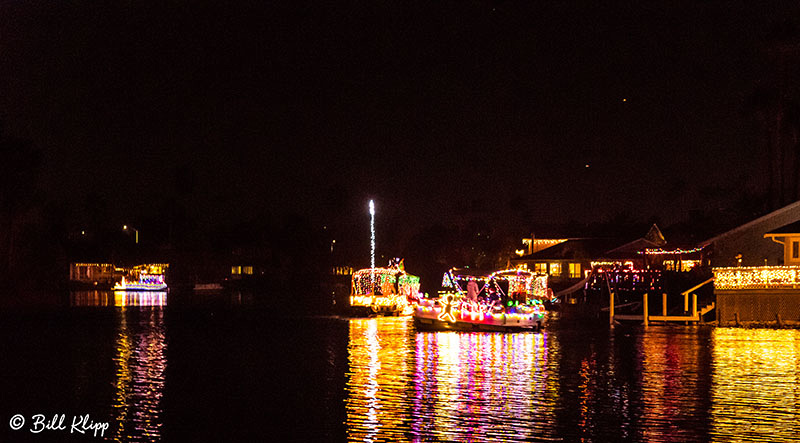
x: 118, y: 298
x: 378, y: 354
x: 756, y: 385
x: 447, y: 386
x: 141, y: 363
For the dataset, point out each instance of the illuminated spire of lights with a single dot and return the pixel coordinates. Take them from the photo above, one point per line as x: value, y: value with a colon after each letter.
x: 372, y: 236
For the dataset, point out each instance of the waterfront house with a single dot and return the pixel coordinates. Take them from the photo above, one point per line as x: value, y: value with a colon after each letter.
x: 757, y: 269
x: 744, y: 245
x: 93, y: 275
x: 570, y: 260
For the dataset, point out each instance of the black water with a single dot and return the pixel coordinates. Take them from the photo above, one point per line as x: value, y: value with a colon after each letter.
x: 217, y: 368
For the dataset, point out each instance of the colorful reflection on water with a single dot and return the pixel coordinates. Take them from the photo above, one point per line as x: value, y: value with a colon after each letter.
x: 571, y: 382
x: 140, y: 360
x: 141, y: 363
x: 118, y: 298
x: 756, y: 385
x: 660, y: 384
x: 674, y: 385
x: 405, y: 385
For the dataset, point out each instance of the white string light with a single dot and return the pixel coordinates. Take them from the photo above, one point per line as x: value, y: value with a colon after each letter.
x: 372, y: 237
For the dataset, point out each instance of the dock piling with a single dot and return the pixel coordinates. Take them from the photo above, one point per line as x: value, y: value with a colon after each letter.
x: 611, y: 309
x: 646, y: 310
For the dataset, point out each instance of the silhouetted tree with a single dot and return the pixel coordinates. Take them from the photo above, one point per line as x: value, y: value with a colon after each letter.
x: 775, y: 106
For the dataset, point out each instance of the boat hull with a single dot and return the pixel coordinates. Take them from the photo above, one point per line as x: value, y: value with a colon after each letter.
x: 370, y: 311
x: 432, y: 324
x: 137, y: 288
x: 430, y: 319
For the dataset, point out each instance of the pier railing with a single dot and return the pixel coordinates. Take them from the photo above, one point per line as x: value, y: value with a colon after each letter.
x: 757, y: 277
x: 646, y: 318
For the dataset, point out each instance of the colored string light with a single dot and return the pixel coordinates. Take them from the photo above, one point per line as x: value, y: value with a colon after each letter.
x: 659, y: 251
x: 383, y: 287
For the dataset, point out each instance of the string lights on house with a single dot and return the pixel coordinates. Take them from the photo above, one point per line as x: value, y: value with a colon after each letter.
x: 660, y: 251
x: 757, y: 277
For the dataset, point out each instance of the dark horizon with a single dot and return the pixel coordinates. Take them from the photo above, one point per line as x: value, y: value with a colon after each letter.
x: 495, y: 115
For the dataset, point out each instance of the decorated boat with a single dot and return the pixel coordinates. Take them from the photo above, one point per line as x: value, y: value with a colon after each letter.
x: 383, y: 291
x: 144, y: 282
x: 508, y: 300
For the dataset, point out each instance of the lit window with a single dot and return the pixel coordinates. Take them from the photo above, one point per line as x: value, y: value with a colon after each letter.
x: 236, y: 270
x: 574, y: 270
x: 687, y: 265
x: 555, y: 268
x: 540, y: 268
x: 669, y: 265
x: 248, y: 270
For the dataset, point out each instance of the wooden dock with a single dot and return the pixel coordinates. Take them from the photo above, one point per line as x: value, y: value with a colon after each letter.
x: 695, y: 317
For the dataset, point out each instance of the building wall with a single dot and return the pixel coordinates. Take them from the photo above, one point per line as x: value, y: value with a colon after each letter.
x: 757, y: 305
x: 563, y: 277
x: 91, y: 272
x: 749, y: 241
x: 789, y: 256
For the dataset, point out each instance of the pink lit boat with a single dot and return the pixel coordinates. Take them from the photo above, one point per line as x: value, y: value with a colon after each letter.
x: 509, y: 300
x: 146, y: 282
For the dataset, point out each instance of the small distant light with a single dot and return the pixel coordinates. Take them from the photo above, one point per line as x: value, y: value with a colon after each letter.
x: 587, y: 165
x: 624, y: 99
x: 125, y: 227
x: 83, y: 232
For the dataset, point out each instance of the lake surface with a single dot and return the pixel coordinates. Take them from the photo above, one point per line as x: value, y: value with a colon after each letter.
x: 220, y: 368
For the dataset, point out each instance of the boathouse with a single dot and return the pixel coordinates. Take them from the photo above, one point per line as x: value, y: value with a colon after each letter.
x: 757, y: 269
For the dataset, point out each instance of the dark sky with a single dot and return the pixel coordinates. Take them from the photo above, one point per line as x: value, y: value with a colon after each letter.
x: 435, y: 109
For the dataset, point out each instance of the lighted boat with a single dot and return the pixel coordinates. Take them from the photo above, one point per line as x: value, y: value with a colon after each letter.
x: 383, y: 291
x: 508, y: 300
x: 145, y: 282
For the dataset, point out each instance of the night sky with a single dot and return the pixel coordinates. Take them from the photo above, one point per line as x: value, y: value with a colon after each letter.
x: 534, y: 113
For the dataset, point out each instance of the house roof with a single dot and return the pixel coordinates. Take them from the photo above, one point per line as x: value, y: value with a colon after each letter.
x: 752, y: 223
x: 576, y: 248
x: 791, y: 228
x: 594, y: 248
x: 630, y: 249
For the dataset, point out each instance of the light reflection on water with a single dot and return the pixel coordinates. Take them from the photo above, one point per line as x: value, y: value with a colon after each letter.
x: 118, y: 298
x: 405, y: 385
x: 674, y: 385
x: 141, y: 363
x: 568, y: 383
x: 661, y: 384
x: 756, y: 392
x: 140, y: 360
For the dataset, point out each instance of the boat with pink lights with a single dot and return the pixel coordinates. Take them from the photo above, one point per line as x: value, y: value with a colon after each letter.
x: 383, y: 291
x: 145, y: 282
x: 508, y: 300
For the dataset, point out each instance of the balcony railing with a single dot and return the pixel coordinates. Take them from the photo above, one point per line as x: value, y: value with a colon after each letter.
x: 759, y: 277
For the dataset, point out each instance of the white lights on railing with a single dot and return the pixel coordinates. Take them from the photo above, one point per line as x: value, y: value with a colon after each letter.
x: 760, y: 277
